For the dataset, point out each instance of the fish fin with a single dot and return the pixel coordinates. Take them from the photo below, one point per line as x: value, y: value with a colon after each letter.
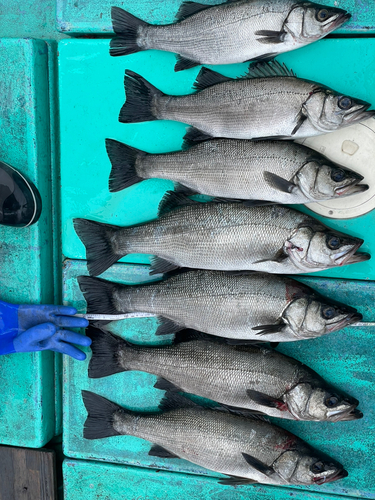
x: 258, y: 465
x: 184, y: 63
x: 167, y: 326
x: 274, y: 344
x: 257, y: 203
x: 188, y: 9
x: 241, y: 412
x: 161, y: 266
x: 270, y: 37
x: 269, y: 329
x: 123, y: 159
x: 222, y: 199
x: 193, y: 136
x: 277, y: 182
x: 98, y: 294
x: 247, y: 272
x: 188, y: 335
x: 99, y: 422
x: 301, y: 119
x: 265, y: 400
x: 140, y: 95
x: 173, y: 400
x: 126, y: 25
x: 264, y: 58
x: 165, y: 385
x: 180, y: 188
x: 158, y: 451
x: 207, y: 78
x: 280, y: 256
x: 237, y: 481
x: 172, y: 200
x: 269, y: 69
x: 96, y: 237
x: 104, y: 360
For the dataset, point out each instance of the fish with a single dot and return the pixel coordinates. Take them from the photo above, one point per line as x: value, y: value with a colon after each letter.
x: 277, y: 171
x: 249, y: 306
x: 243, y: 447
x: 268, y: 102
x: 232, y: 32
x: 245, y: 376
x: 222, y: 236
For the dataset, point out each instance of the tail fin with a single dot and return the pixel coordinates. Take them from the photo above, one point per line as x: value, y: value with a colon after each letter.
x: 140, y: 96
x: 127, y: 26
x: 98, y: 295
x: 99, y: 422
x: 105, y: 347
x: 123, y: 159
x: 97, y: 237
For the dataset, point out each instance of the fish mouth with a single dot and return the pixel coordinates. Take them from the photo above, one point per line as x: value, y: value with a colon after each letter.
x: 360, y: 112
x: 333, y: 477
x: 340, y: 19
x: 350, y: 414
x: 352, y: 188
x: 350, y: 256
x: 348, y: 320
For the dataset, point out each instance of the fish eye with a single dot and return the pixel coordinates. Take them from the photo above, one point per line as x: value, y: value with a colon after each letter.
x: 328, y: 312
x: 322, y: 15
x: 317, y: 467
x: 345, y: 103
x: 333, y: 242
x: 338, y: 175
x: 331, y: 401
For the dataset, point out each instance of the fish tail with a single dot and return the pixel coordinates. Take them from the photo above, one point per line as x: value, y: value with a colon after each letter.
x: 140, y: 99
x: 98, y: 294
x: 97, y: 238
x: 105, y: 349
x: 123, y: 159
x: 126, y: 26
x: 100, y: 418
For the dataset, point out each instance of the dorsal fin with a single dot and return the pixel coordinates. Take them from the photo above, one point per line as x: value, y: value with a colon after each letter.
x: 188, y: 9
x: 172, y: 200
x: 268, y: 69
x: 207, y: 78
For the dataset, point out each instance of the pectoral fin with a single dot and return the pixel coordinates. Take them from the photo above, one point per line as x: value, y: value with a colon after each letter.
x: 265, y: 400
x: 271, y: 37
x: 300, y: 121
x: 258, y: 465
x: 269, y: 329
x: 237, y: 481
x: 277, y: 182
x: 159, y: 451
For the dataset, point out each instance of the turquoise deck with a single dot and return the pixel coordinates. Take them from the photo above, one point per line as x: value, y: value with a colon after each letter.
x: 91, y: 94
x: 86, y: 16
x: 96, y: 481
x: 342, y: 358
x: 27, y: 412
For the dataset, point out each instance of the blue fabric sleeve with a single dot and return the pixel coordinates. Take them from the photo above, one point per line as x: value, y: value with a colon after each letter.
x: 8, y: 326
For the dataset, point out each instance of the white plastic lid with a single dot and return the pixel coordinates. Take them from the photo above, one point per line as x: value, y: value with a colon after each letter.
x: 352, y: 147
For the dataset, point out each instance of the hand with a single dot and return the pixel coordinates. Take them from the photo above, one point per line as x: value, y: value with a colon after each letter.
x: 62, y: 316
x: 49, y: 336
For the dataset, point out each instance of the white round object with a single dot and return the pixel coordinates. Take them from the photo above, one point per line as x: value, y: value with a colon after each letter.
x: 352, y: 147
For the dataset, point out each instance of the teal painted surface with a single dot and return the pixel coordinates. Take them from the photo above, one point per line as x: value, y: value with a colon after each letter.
x: 29, y: 18
x: 93, y: 16
x: 27, y: 412
x: 91, y: 94
x: 342, y: 358
x: 95, y: 481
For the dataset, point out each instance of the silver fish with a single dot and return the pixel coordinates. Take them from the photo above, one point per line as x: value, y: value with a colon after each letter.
x: 247, y: 449
x: 270, y: 101
x: 222, y: 236
x: 251, y: 377
x: 253, y: 306
x: 232, y: 32
x: 278, y: 171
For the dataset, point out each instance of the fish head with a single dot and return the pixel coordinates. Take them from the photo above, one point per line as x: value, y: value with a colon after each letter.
x: 304, y: 465
x: 327, y: 110
x: 314, y: 316
x: 320, y: 179
x: 313, y: 247
x: 307, y: 401
x: 308, y: 21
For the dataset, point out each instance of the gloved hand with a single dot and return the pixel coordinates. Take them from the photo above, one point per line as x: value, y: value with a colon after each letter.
x: 29, y: 328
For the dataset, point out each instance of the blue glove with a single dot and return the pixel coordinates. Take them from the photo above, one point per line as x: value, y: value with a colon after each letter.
x: 29, y: 328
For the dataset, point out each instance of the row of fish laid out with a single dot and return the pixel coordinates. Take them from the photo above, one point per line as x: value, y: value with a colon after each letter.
x: 222, y: 236
x: 250, y: 306
x: 233, y: 32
